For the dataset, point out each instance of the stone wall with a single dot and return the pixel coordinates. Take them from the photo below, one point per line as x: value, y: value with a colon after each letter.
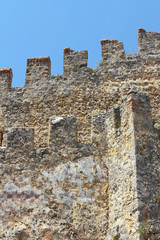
x: 59, y: 191
x: 79, y: 157
x: 133, y: 176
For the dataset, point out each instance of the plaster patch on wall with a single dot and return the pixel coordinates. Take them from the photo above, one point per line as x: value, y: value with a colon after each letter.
x: 79, y: 176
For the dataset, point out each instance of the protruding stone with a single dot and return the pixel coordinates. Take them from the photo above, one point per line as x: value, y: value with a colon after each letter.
x: 63, y: 131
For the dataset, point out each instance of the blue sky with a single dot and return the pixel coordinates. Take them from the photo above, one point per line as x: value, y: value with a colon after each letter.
x: 33, y: 28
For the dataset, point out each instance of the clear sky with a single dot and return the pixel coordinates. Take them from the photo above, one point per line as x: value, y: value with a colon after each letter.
x: 33, y: 28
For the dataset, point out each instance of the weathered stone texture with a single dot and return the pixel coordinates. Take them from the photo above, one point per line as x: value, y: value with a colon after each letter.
x: 133, y: 161
x: 73, y: 60
x: 37, y: 68
x: 112, y: 51
x: 5, y: 78
x: 80, y: 152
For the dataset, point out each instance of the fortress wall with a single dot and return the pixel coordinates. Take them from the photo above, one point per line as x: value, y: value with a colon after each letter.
x: 82, y: 91
x: 54, y: 96
x: 61, y: 170
x: 63, y: 185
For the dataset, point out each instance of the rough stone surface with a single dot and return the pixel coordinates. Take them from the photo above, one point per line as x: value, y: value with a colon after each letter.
x: 80, y: 152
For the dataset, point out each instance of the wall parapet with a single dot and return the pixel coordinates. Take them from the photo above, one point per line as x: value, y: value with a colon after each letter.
x: 73, y: 61
x: 62, y: 141
x: 37, y: 68
x: 149, y: 43
x: 79, y: 155
x: 112, y: 51
x: 6, y: 76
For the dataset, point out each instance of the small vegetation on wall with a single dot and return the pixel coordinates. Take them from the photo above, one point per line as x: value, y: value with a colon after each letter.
x: 157, y: 198
x: 100, y: 63
x: 144, y: 228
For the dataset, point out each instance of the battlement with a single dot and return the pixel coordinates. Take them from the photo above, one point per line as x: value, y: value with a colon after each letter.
x: 149, y: 42
x: 80, y: 152
x: 5, y: 78
x: 74, y: 60
x: 112, y: 51
x: 62, y: 142
x: 37, y: 68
